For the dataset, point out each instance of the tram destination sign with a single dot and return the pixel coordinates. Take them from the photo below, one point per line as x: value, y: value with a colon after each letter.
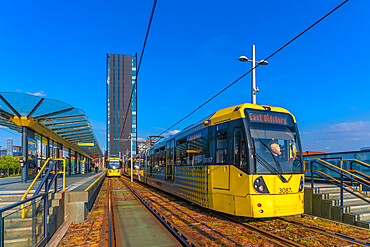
x: 258, y: 116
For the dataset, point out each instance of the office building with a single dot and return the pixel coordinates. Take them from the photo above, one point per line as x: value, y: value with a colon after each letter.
x: 121, y: 114
x: 9, y: 146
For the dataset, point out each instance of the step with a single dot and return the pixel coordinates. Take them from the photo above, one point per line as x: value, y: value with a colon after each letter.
x: 363, y: 216
x: 22, y: 232
x: 15, y: 233
x: 17, y: 198
x: 17, y: 222
x: 349, y: 201
x: 364, y: 224
x: 19, y: 242
x: 336, y: 196
x: 330, y: 189
x: 357, y: 209
x: 11, y: 198
x: 5, y: 204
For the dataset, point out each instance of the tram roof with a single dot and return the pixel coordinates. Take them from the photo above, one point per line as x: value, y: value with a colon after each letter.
x: 51, y: 118
x: 221, y: 116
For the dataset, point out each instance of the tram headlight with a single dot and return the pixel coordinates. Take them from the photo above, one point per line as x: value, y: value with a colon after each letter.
x: 260, y: 185
x: 301, y: 185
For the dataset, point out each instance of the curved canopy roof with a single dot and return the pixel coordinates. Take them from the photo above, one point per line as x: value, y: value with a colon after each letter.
x: 55, y: 117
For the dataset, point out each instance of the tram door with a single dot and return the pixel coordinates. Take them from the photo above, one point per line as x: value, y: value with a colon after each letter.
x: 170, y: 160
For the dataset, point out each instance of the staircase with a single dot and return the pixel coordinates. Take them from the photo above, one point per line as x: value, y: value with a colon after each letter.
x: 325, y: 202
x: 18, y: 231
x: 324, y: 198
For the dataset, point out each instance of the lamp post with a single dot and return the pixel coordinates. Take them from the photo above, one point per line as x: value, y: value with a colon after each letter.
x: 132, y: 164
x: 254, y: 89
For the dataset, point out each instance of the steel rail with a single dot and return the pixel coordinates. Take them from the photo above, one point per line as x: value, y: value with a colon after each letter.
x: 112, y: 232
x: 271, y: 236
x: 110, y: 214
x: 327, y: 232
x: 177, y: 233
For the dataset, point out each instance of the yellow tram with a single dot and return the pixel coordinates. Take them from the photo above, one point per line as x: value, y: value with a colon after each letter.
x: 244, y: 160
x: 138, y: 165
x: 114, y: 167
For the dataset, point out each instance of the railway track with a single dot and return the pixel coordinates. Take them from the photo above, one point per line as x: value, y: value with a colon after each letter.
x: 213, y: 231
x: 325, y: 231
x: 207, y: 227
x: 112, y: 236
x: 301, y: 234
x: 109, y: 230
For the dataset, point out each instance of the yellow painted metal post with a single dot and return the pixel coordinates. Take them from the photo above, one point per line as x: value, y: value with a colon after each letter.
x: 64, y: 175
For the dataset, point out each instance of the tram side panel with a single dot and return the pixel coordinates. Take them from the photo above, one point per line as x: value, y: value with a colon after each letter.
x: 227, y: 189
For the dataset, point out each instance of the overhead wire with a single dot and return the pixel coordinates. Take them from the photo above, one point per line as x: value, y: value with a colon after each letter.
x: 238, y: 79
x: 138, y: 68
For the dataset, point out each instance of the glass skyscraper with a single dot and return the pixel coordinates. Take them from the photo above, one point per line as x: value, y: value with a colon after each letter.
x: 9, y: 144
x: 121, y: 113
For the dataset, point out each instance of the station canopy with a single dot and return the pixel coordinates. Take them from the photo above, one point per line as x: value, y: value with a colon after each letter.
x: 52, y: 118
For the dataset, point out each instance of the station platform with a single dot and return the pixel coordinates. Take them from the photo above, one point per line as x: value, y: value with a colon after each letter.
x: 76, y: 182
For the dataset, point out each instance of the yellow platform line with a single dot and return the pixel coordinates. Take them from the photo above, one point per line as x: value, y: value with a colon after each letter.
x: 94, y: 182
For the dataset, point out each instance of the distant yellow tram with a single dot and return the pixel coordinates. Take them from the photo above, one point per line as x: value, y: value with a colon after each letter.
x: 138, y: 165
x: 114, y: 166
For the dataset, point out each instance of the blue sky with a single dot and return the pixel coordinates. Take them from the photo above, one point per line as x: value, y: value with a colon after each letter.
x: 58, y: 49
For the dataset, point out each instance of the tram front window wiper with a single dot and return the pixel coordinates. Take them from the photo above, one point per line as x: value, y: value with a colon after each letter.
x: 269, y: 167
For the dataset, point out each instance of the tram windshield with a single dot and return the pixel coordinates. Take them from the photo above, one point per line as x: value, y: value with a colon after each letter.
x: 114, y: 164
x: 277, y: 150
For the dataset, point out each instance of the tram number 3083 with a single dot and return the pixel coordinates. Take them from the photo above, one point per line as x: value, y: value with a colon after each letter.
x: 285, y: 190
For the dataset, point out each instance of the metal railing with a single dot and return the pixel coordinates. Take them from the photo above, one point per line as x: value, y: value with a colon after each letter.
x: 345, y: 179
x: 40, y: 208
x: 52, y: 169
x: 39, y: 238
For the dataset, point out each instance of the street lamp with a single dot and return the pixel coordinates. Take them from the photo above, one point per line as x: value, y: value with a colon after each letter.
x: 130, y: 151
x: 262, y: 62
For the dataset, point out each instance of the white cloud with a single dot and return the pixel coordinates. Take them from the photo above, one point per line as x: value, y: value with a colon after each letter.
x: 39, y: 93
x: 171, y: 133
x: 140, y: 139
x: 338, y: 137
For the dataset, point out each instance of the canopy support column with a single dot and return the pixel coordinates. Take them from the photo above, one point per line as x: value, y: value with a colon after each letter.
x: 69, y: 162
x: 24, y: 153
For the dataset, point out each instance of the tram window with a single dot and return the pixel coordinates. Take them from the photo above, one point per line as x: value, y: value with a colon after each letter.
x: 180, y: 153
x: 156, y: 158
x: 169, y: 152
x: 196, y: 148
x: 221, y: 148
x: 162, y: 157
x: 240, y: 154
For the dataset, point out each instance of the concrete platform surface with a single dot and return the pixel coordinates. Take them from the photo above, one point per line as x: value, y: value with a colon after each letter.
x: 76, y: 182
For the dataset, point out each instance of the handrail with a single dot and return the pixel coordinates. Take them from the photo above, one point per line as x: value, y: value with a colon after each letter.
x: 343, y: 183
x: 363, y: 174
x: 34, y: 181
x: 343, y: 173
x: 342, y: 170
x: 347, y: 191
x: 24, y: 214
x: 346, y: 175
x: 357, y: 161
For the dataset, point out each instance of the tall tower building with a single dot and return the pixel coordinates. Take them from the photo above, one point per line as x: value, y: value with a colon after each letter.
x: 121, y: 76
x: 9, y: 148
